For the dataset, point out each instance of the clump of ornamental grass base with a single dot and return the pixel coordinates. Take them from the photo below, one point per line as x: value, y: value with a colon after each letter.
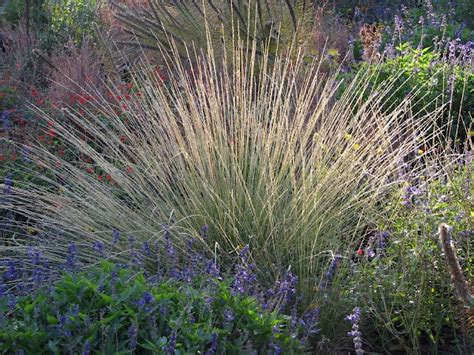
x: 264, y: 154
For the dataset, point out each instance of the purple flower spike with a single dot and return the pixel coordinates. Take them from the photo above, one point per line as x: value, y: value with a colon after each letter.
x: 170, y: 347
x: 213, y: 348
x: 71, y: 256
x: 229, y: 316
x: 116, y: 236
x: 132, y: 336
x: 355, y: 333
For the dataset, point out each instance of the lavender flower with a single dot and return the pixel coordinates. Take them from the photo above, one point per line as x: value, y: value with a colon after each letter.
x: 229, y: 316
x: 355, y: 334
x: 132, y: 336
x: 169, y: 248
x: 398, y: 24
x: 244, y: 277
x: 11, y: 272
x: 146, y: 248
x: 146, y: 299
x: 63, y: 323
x: 116, y: 236
x: 98, y: 247
x: 331, y: 271
x: 309, y: 321
x: 170, y: 347
x: 71, y: 256
x: 212, y: 269
x: 35, y: 256
x: 205, y: 232
x: 213, y: 348
x: 87, y: 348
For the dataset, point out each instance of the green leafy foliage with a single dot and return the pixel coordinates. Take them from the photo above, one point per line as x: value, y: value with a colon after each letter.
x: 432, y: 82
x: 117, y: 310
x: 407, y: 285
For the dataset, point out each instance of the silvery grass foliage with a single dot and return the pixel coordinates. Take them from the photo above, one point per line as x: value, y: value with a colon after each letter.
x: 269, y: 158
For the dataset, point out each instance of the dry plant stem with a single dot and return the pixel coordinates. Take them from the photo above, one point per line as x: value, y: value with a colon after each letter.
x: 457, y: 276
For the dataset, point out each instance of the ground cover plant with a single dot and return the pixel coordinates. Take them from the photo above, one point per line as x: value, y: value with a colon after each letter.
x: 300, y: 188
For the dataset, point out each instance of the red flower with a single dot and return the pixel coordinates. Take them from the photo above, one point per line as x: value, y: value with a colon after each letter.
x: 34, y: 92
x: 127, y: 97
x: 100, y: 177
x: 129, y: 169
x: 41, y: 137
x: 360, y: 252
x: 82, y: 100
x: 123, y: 139
x: 51, y: 132
x: 108, y: 177
x: 89, y: 170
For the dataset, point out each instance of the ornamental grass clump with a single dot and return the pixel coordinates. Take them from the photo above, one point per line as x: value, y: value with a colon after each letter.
x: 271, y: 158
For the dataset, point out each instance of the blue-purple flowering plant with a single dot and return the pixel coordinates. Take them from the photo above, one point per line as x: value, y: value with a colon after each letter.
x: 112, y: 307
x: 407, y: 272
